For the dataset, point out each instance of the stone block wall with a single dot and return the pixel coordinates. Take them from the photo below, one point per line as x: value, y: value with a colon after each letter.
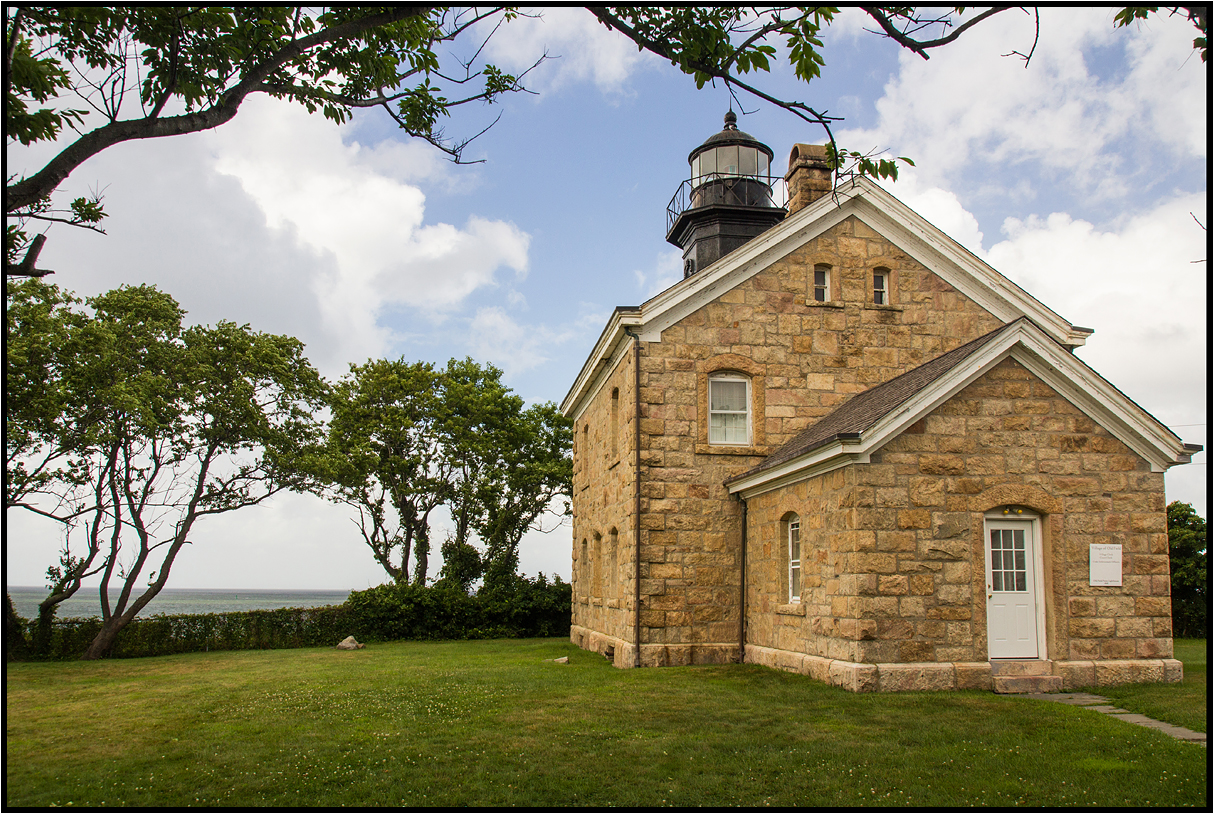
x: 910, y: 572
x: 803, y: 359
x: 604, y: 508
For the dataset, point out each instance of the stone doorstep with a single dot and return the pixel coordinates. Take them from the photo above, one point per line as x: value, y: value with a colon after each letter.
x: 1022, y: 667
x: 1018, y: 684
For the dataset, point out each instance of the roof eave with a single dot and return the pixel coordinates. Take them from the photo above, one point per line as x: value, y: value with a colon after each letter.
x: 622, y: 318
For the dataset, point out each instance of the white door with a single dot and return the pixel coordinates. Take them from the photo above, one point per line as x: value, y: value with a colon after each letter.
x: 1011, y: 590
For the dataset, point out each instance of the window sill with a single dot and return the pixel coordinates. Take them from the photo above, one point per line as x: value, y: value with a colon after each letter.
x: 725, y: 449
x: 809, y: 303
x: 874, y: 307
x: 795, y: 609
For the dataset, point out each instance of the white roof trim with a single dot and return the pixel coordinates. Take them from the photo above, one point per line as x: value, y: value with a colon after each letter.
x: 1029, y: 345
x: 607, y: 352
x: 879, y: 210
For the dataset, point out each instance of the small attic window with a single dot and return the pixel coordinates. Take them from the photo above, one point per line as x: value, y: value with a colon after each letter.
x: 881, y: 286
x: 821, y: 283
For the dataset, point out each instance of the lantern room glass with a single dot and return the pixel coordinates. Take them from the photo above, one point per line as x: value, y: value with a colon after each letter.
x: 730, y: 160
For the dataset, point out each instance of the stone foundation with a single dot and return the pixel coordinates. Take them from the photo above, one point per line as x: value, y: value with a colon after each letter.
x: 929, y: 676
x: 623, y: 654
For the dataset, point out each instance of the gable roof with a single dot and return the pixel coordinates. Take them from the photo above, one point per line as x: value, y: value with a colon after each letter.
x: 861, y: 411
x: 860, y: 198
x: 868, y: 420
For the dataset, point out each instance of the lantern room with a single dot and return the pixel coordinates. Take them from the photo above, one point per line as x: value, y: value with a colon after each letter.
x: 726, y: 201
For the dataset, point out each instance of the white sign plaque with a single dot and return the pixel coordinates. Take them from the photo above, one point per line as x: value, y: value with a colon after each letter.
x: 1104, y: 564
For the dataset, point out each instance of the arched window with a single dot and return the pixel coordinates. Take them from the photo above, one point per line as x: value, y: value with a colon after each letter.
x: 729, y: 409
x: 613, y: 562
x: 582, y: 578
x: 615, y: 422
x: 596, y: 566
x: 792, y: 533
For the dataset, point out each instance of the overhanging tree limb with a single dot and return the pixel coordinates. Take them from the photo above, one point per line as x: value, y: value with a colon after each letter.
x: 28, y: 191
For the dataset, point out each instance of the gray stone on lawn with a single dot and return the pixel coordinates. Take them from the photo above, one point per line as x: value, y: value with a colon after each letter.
x: 348, y: 643
x: 561, y: 660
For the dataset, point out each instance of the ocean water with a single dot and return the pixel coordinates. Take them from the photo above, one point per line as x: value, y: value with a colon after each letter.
x: 87, y: 601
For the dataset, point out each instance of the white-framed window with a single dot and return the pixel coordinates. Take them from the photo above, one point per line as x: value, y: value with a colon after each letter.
x: 794, y: 559
x: 821, y: 283
x: 729, y: 410
x: 881, y: 286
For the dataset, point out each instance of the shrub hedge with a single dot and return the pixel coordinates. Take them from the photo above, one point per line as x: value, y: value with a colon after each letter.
x: 526, y: 608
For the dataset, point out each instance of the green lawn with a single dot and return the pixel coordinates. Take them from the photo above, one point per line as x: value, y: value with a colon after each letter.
x: 493, y: 724
x: 1183, y: 704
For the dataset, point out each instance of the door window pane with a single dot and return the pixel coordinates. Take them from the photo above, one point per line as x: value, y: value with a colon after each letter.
x: 1008, y: 564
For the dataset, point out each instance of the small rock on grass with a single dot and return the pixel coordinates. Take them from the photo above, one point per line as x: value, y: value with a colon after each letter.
x: 349, y: 643
x: 561, y: 660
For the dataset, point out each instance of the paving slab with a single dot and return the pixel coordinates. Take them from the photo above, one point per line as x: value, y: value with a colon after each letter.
x: 1101, y: 704
x: 1168, y: 729
x: 1078, y: 699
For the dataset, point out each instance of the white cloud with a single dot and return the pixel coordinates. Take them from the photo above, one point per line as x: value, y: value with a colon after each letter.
x: 667, y: 269
x: 584, y: 49
x: 1137, y: 287
x: 335, y: 199
x: 495, y: 336
x: 968, y: 104
x: 940, y: 207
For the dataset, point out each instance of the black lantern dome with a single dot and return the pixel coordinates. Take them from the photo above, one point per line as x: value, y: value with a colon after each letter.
x: 727, y: 199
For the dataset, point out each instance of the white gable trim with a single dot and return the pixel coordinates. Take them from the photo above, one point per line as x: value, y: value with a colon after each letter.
x: 888, y: 216
x: 603, y: 359
x: 874, y: 206
x: 1030, y: 346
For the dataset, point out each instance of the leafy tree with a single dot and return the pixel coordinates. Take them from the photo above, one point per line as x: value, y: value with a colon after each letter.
x: 205, y: 61
x: 387, y: 459
x: 189, y: 68
x: 175, y: 424
x: 1190, y: 559
x: 40, y: 435
x: 406, y: 439
x: 530, y: 471
x: 509, y: 464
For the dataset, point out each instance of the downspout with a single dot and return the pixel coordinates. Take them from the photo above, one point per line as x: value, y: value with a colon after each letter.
x: 742, y: 600
x: 636, y: 519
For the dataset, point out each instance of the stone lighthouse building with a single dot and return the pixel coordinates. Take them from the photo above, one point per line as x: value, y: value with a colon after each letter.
x: 842, y: 445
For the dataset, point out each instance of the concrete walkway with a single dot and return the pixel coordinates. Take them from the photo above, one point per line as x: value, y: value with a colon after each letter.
x: 1101, y: 704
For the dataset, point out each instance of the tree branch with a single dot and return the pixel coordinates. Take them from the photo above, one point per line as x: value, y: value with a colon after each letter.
x: 920, y: 46
x: 29, y: 190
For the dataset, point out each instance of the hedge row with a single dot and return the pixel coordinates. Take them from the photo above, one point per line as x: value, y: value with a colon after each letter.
x: 528, y: 608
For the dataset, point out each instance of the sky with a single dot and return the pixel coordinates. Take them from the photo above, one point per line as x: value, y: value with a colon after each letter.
x: 1082, y: 176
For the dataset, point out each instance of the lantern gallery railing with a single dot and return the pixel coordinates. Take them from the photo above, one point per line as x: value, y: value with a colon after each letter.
x: 726, y: 189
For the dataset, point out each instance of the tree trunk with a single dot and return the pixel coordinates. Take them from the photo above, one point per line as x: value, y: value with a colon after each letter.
x: 421, y: 551
x: 100, y: 646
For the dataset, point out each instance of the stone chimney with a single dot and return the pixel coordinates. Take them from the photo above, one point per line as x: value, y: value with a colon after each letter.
x: 808, y: 176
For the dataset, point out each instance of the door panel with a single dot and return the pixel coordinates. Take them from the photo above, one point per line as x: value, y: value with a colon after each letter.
x: 1011, y: 607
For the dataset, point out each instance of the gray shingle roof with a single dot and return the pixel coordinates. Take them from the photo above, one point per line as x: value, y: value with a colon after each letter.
x: 863, y: 410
